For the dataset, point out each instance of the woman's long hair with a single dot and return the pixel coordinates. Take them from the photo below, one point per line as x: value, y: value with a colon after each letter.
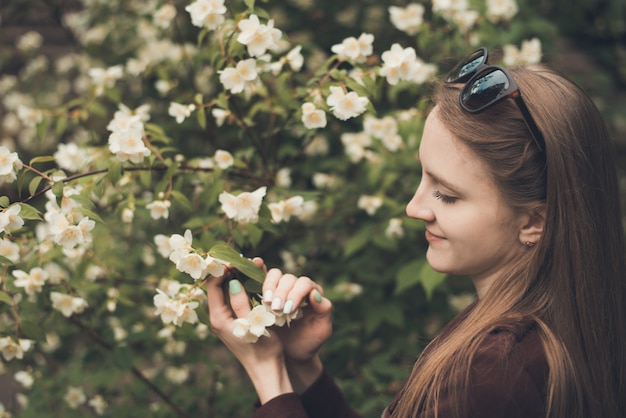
x: 572, y: 283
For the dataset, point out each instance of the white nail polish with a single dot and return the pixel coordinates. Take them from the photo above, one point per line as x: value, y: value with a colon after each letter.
x: 277, y: 303
x: 267, y: 296
x: 288, y: 307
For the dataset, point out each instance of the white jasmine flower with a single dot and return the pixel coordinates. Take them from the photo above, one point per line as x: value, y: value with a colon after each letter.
x: 177, y: 375
x: 399, y: 64
x: 128, y: 214
x: 345, y: 105
x: 370, y: 204
x: 163, y: 17
x: 465, y: 20
x: 24, y: 378
x: 128, y: 145
x: 202, y: 331
x: 258, y: 37
x: 180, y: 111
x: 530, y: 53
x: 159, y: 209
x: 317, y: 146
x: 355, y: 145
x: 71, y: 158
x: 163, y: 245
x: 243, y: 208
x: 29, y: 41
x: 98, y: 404
x: 207, y: 13
x: 180, y: 245
x: 11, y: 348
x: 10, y: 220
x: 285, y: 209
x: 283, y: 177
x: 380, y: 128
x: 449, y: 8
x: 241, y: 326
x: 407, y: 19
x: 28, y: 116
x: 498, y: 10
x: 392, y: 142
x: 214, y: 267
x: 394, y: 229
x: 176, y: 309
x: 295, y: 59
x: 234, y: 79
x: 259, y: 318
x: 9, y: 250
x: 32, y: 282
x: 67, y: 304
x: 353, y: 49
x: 312, y: 117
x: 75, y: 397
x: 192, y: 264
x: 219, y: 115
x: 323, y: 180
x: 105, y: 77
x: 223, y: 159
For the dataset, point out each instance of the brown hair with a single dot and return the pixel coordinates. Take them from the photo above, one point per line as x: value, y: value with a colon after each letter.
x: 572, y: 283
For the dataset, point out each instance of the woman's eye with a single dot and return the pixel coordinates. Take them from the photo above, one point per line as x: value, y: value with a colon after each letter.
x: 444, y: 198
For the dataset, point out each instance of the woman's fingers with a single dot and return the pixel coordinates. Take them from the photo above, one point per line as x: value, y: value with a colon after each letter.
x: 239, y: 301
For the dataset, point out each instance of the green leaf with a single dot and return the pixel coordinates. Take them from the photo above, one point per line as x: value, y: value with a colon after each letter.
x: 181, y: 198
x: 60, y: 125
x: 33, y: 330
x: 430, y: 279
x: 4, y: 297
x: 115, y: 171
x: 42, y: 159
x: 408, y: 276
x: 201, y: 118
x: 247, y: 267
x: 57, y: 189
x: 4, y: 260
x: 29, y: 212
x: 4, y: 201
x: 34, y: 185
x: 90, y: 214
x: 357, y: 242
x: 249, y: 4
x: 122, y: 357
x: 418, y: 271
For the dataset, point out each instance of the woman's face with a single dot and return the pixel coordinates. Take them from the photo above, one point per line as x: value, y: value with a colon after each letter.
x: 469, y: 228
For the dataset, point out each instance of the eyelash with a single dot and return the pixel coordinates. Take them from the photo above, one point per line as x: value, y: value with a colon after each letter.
x: 444, y: 198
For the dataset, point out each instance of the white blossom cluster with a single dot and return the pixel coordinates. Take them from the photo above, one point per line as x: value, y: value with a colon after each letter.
x: 255, y: 324
x: 127, y: 132
x: 177, y: 303
x: 178, y: 248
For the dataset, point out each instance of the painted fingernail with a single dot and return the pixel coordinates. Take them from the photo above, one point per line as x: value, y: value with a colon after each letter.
x: 317, y: 296
x: 267, y: 296
x: 276, y: 304
x: 234, y: 287
x: 288, y: 307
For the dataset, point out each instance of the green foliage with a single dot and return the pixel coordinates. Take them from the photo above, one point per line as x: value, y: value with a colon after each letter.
x: 349, y: 231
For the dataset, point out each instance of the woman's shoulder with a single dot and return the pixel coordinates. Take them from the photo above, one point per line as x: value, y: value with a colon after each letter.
x: 509, y: 371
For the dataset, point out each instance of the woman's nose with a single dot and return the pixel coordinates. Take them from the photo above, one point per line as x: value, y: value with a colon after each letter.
x: 418, y: 207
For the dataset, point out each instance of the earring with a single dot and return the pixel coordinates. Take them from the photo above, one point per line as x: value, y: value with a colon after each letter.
x: 529, y: 244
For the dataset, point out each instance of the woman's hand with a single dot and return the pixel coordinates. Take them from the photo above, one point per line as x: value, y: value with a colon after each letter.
x: 302, y: 339
x: 263, y: 360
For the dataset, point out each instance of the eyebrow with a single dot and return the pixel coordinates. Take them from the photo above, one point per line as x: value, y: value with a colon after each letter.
x: 441, y: 181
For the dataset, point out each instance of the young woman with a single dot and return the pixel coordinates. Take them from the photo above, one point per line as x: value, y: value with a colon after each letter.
x: 518, y: 192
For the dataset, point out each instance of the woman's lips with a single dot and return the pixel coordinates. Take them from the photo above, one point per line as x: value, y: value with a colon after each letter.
x: 430, y: 237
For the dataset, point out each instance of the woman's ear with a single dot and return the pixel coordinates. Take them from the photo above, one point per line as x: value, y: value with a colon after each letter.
x: 532, y: 224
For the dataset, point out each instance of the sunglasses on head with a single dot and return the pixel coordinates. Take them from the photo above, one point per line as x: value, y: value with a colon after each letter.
x: 487, y: 85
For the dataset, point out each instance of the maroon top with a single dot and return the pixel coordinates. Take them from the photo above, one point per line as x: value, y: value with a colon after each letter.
x: 508, y: 379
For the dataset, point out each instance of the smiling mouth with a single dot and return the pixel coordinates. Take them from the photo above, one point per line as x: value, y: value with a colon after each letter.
x: 430, y: 237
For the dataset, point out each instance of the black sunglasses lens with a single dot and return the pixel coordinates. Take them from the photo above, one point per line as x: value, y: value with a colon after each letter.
x: 465, y: 69
x: 484, y: 90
